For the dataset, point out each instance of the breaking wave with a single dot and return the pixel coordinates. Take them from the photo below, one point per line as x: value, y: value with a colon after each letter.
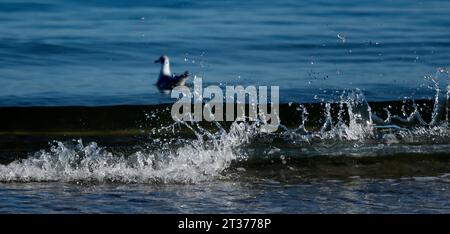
x: 348, y: 127
x: 197, y: 160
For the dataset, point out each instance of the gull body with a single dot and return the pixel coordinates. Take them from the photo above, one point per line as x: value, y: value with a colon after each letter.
x: 167, y: 80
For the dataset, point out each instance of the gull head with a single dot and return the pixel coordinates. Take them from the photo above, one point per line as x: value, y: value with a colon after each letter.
x: 163, y: 60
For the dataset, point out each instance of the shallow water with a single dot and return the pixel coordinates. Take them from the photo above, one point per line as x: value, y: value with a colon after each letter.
x: 338, y: 150
x: 350, y: 168
x: 409, y: 195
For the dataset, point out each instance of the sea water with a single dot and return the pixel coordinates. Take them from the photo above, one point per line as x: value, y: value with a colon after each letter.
x: 355, y: 155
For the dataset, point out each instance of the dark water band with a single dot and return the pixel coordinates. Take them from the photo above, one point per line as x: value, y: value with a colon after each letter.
x: 138, y: 119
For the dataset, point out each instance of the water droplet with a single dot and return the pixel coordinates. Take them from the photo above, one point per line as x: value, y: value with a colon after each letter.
x: 283, y: 159
x: 342, y: 38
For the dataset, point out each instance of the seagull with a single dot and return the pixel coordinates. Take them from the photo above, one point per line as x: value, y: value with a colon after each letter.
x: 167, y: 80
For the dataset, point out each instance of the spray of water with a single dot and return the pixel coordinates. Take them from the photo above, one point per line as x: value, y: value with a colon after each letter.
x: 211, y: 153
x: 196, y: 160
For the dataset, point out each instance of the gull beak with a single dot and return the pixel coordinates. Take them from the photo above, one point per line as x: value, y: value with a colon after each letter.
x: 157, y: 61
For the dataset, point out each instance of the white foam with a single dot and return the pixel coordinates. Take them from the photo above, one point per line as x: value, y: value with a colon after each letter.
x: 196, y: 161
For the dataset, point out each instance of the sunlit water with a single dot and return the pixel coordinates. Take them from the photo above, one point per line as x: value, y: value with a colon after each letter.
x: 345, y: 55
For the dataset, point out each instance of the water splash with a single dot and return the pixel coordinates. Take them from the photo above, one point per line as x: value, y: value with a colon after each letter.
x: 196, y: 160
x: 351, y: 128
x: 359, y: 125
x: 415, y: 118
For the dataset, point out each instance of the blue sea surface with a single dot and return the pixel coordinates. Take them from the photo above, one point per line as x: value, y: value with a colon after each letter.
x: 102, y: 52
